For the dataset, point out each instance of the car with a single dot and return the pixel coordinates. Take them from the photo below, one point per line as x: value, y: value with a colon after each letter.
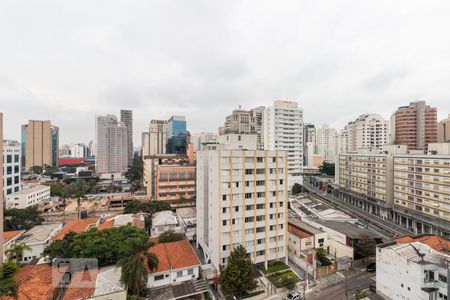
x: 294, y: 296
x: 372, y: 267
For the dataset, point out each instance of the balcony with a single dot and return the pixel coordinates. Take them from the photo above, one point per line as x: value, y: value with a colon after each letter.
x: 429, y: 285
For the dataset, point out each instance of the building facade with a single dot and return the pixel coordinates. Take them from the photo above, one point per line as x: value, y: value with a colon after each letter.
x: 176, y: 135
x: 309, y: 143
x: 241, y: 200
x: 126, y: 117
x: 11, y: 167
x: 414, y: 125
x: 326, y: 143
x: 40, y: 144
x: 342, y: 141
x: 74, y: 150
x: 111, y: 145
x: 28, y: 196
x: 368, y: 131
x: 1, y: 188
x: 443, y: 131
x: 283, y: 130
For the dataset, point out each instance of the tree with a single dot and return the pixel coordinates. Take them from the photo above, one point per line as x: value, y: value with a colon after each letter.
x: 137, y: 206
x: 170, y: 236
x: 22, y: 218
x: 135, y: 173
x: 289, y: 283
x: 327, y: 168
x: 237, y: 277
x: 365, y: 247
x: 136, y: 263
x: 8, y: 284
x: 61, y: 248
x: 297, y: 189
x: 15, y: 251
x: 36, y: 169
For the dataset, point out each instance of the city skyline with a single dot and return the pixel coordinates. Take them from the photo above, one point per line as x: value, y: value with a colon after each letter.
x: 380, y: 58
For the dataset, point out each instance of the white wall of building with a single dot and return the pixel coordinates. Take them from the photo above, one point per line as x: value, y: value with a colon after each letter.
x: 29, y: 196
x: 172, y: 277
x: 11, y: 167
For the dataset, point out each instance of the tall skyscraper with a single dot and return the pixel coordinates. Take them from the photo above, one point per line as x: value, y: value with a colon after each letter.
x: 241, y: 200
x: 342, y: 142
x: 414, y: 125
x: 368, y: 131
x: 11, y: 167
x: 309, y: 143
x: 176, y: 135
x: 283, y: 130
x: 126, y: 117
x: 40, y: 144
x: 326, y: 143
x: 1, y: 189
x: 157, y: 137
x: 111, y: 145
x: 443, y: 130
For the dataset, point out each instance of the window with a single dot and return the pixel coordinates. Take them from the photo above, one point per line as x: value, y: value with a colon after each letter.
x: 224, y: 197
x: 9, y: 159
x: 16, y: 158
x: 179, y: 273
x: 442, y: 278
x: 190, y: 271
x: 159, y: 277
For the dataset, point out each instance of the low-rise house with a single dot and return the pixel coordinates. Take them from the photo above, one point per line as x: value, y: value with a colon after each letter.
x: 164, y: 221
x: 29, y: 196
x: 9, y: 238
x: 107, y: 222
x: 187, y: 217
x: 414, y: 268
x: 76, y: 226
x: 38, y: 238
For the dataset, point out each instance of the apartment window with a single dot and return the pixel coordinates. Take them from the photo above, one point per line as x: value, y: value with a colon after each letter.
x: 236, y: 208
x: 224, y: 210
x: 442, y: 278
x: 248, y: 171
x: 249, y: 207
x: 159, y: 277
x: 259, y: 159
x: 281, y: 181
x: 190, y: 272
x: 248, y: 195
x: 249, y: 219
x: 224, y: 197
x: 224, y: 222
x: 260, y: 206
x: 179, y: 273
x: 9, y: 158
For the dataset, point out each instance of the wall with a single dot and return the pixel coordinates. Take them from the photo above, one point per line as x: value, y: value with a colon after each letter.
x: 339, y: 249
x: 170, y: 277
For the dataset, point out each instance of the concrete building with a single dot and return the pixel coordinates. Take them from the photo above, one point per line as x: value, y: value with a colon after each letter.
x: 11, y: 167
x: 28, y: 196
x: 126, y: 117
x: 164, y: 221
x: 414, y: 268
x: 326, y: 143
x: 309, y: 143
x: 343, y: 141
x: 368, y: 131
x: 111, y: 145
x: 176, y: 135
x: 1, y: 189
x: 157, y: 138
x: 74, y: 150
x: 414, y: 125
x: 187, y: 218
x: 40, y: 144
x: 10, y: 239
x: 283, y: 130
x: 241, y: 200
x: 443, y: 131
x: 38, y: 238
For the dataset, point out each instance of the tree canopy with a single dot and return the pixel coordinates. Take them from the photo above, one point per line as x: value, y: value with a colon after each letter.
x: 297, y: 189
x: 135, y: 173
x: 170, y: 236
x: 22, y: 218
x: 327, y: 168
x: 137, y: 206
x: 365, y: 247
x: 237, y: 278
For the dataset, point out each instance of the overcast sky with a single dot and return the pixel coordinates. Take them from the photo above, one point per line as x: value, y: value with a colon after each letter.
x: 69, y: 60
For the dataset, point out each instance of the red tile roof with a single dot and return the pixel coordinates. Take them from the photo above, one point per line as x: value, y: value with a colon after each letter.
x: 9, y: 235
x: 108, y: 223
x: 436, y: 242
x: 82, y: 285
x: 35, y: 282
x: 298, y: 232
x: 174, y: 255
x: 76, y: 226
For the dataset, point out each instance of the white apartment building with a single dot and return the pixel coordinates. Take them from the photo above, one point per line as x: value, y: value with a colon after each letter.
x: 368, y: 131
x: 283, y: 130
x: 75, y: 150
x: 342, y: 141
x: 28, y: 196
x: 11, y: 167
x: 111, y: 145
x: 326, y: 143
x: 417, y: 269
x: 241, y: 200
x: 309, y: 143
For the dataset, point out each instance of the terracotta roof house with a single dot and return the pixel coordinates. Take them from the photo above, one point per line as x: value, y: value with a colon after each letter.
x: 76, y: 226
x: 9, y: 238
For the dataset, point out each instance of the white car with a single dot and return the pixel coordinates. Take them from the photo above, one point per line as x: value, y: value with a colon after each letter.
x: 294, y: 296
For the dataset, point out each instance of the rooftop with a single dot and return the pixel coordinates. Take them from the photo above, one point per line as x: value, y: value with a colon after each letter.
x: 436, y: 242
x: 174, y: 255
x: 38, y: 234
x: 76, y: 226
x: 304, y: 226
x: 9, y: 235
x: 164, y: 218
x: 419, y: 252
x: 349, y: 229
x: 35, y: 282
x: 30, y: 189
x: 187, y: 212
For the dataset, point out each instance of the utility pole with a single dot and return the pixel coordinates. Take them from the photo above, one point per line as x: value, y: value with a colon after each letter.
x: 346, y: 286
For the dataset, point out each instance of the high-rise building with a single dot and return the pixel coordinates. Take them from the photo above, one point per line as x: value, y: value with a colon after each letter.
x: 342, y: 142
x: 241, y: 200
x: 40, y: 144
x: 1, y: 189
x: 11, y: 167
x: 414, y: 126
x: 283, y: 130
x: 326, y: 143
x: 126, y: 117
x: 74, y: 150
x: 176, y: 135
x: 111, y: 145
x: 258, y: 115
x: 309, y: 143
x: 443, y: 130
x: 368, y: 131
x: 156, y: 141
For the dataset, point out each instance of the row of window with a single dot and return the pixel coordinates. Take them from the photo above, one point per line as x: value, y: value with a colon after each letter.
x: 9, y: 158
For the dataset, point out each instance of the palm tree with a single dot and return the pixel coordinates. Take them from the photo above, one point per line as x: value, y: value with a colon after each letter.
x: 136, y: 264
x: 15, y: 251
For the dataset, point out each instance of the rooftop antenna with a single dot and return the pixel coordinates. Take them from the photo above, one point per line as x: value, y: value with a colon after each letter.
x: 421, y: 255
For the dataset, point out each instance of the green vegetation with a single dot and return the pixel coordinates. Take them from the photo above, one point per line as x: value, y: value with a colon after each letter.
x: 8, y: 284
x: 75, y: 189
x: 284, y: 279
x: 360, y: 294
x: 26, y: 218
x: 237, y: 278
x: 321, y: 256
x: 365, y: 247
x: 170, y: 236
x: 297, y: 189
x: 135, y: 174
x: 15, y: 251
x: 207, y: 296
x: 136, y: 265
x: 36, y: 169
x: 327, y: 168
x: 277, y: 266
x: 137, y: 206
x: 253, y: 294
x: 108, y: 245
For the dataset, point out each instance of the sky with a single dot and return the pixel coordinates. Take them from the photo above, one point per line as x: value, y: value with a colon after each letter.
x: 67, y: 61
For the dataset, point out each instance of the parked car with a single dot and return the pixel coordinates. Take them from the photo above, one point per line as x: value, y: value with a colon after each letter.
x: 294, y: 296
x: 372, y: 267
